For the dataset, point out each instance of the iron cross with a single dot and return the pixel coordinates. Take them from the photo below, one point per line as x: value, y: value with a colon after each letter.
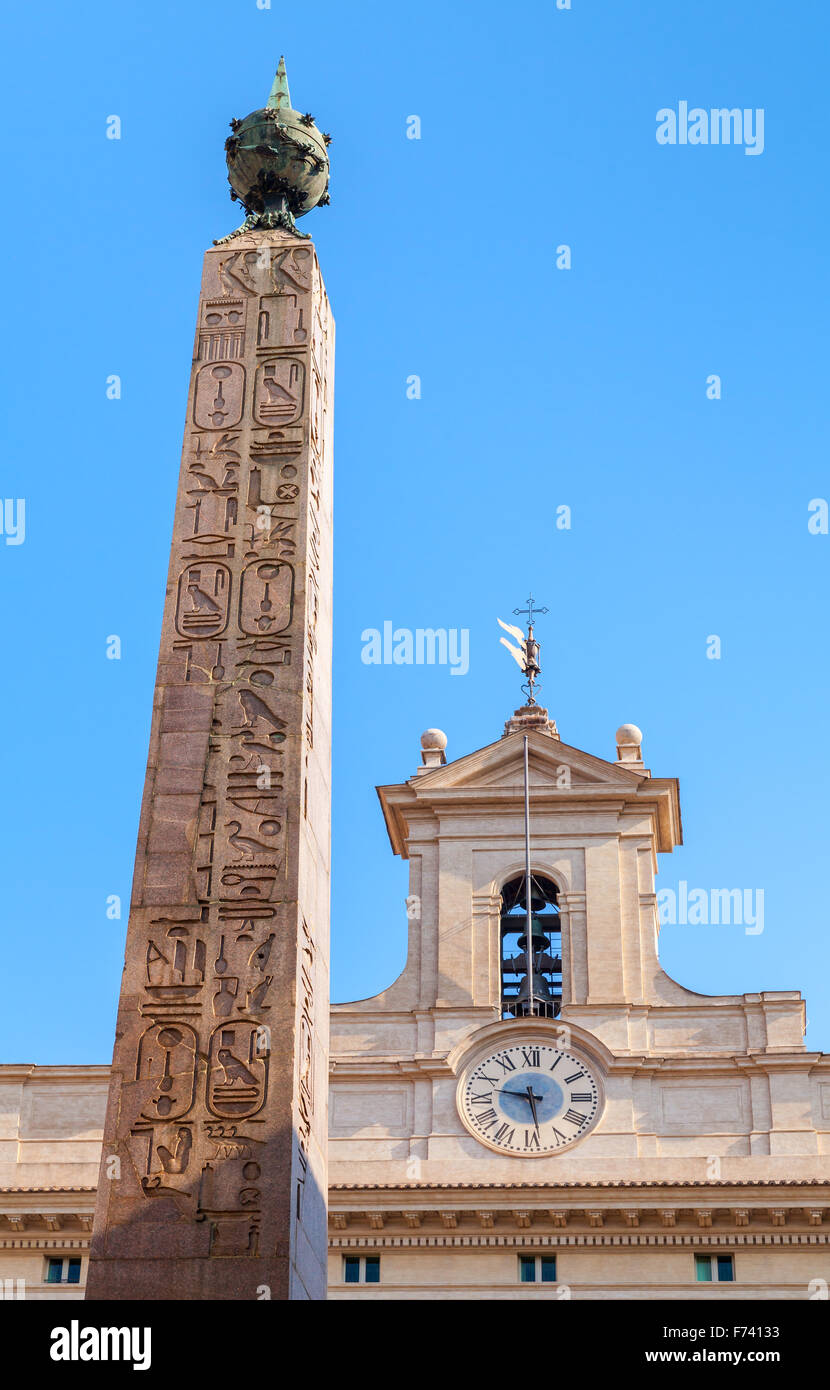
x: 529, y: 611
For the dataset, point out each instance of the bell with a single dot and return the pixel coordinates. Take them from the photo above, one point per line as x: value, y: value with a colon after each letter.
x: 540, y: 939
x: 514, y: 893
x: 537, y: 896
x: 541, y: 989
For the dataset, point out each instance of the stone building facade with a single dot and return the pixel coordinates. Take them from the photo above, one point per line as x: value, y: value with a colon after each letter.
x: 642, y: 1141
x: 696, y: 1161
x: 51, y: 1125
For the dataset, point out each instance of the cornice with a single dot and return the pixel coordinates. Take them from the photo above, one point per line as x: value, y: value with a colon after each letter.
x: 664, y: 1066
x: 500, y: 1032
x: 620, y: 1240
x: 372, y: 1069
x: 34, y: 1191
x: 624, y: 1213
x: 74, y: 1242
x: 546, y: 1189
x: 22, y: 1071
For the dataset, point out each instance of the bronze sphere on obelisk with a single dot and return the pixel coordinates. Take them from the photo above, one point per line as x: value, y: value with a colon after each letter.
x: 278, y: 163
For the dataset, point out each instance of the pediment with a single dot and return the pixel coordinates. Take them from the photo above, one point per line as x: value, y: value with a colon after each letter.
x: 552, y: 764
x: 495, y: 774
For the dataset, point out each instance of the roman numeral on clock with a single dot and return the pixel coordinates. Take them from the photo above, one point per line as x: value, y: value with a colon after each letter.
x: 531, y: 1139
x: 504, y: 1134
x: 486, y: 1098
x: 531, y: 1056
x: 582, y: 1097
x: 506, y: 1063
x: 486, y: 1119
x: 574, y: 1117
x: 575, y: 1077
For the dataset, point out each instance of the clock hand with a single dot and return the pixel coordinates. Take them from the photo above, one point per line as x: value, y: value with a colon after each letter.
x: 501, y: 1092
x: 528, y: 1095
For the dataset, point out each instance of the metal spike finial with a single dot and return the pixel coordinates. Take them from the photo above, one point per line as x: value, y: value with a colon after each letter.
x: 280, y: 96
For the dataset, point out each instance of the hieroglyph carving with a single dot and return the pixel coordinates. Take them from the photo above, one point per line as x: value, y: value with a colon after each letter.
x: 195, y: 1106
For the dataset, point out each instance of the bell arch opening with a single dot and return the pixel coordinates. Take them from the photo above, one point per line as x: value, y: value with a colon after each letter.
x: 531, y: 972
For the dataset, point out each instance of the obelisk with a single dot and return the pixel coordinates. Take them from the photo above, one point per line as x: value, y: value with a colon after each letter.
x: 213, y: 1173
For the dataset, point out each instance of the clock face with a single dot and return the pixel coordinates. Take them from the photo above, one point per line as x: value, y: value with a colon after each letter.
x: 529, y: 1098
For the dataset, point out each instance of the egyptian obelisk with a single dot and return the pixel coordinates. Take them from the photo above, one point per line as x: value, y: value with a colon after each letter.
x: 213, y: 1174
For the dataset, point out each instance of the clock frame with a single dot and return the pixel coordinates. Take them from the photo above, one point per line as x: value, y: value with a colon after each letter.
x: 530, y: 1097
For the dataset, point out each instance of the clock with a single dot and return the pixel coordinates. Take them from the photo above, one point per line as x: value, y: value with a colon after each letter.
x: 529, y: 1098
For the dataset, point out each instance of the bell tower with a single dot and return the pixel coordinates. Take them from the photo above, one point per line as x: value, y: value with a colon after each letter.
x: 534, y: 1100
x: 596, y: 829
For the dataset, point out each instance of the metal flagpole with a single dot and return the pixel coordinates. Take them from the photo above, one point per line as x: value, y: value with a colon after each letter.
x: 526, y: 655
x: 529, y: 928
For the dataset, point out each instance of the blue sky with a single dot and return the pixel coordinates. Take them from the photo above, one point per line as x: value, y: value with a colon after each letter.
x: 540, y: 388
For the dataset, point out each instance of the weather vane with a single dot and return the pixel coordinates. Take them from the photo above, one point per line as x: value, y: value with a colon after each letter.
x: 526, y: 655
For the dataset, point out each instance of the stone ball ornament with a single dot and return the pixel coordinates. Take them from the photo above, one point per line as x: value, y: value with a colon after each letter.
x: 629, y: 733
x: 278, y: 164
x: 434, y: 738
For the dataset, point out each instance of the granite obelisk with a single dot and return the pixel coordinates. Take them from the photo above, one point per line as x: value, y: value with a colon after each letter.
x: 213, y: 1175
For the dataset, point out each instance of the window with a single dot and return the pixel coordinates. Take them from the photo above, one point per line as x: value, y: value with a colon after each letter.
x: 537, y: 1269
x: 361, y: 1269
x: 63, y: 1271
x: 531, y: 981
x: 714, y: 1269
